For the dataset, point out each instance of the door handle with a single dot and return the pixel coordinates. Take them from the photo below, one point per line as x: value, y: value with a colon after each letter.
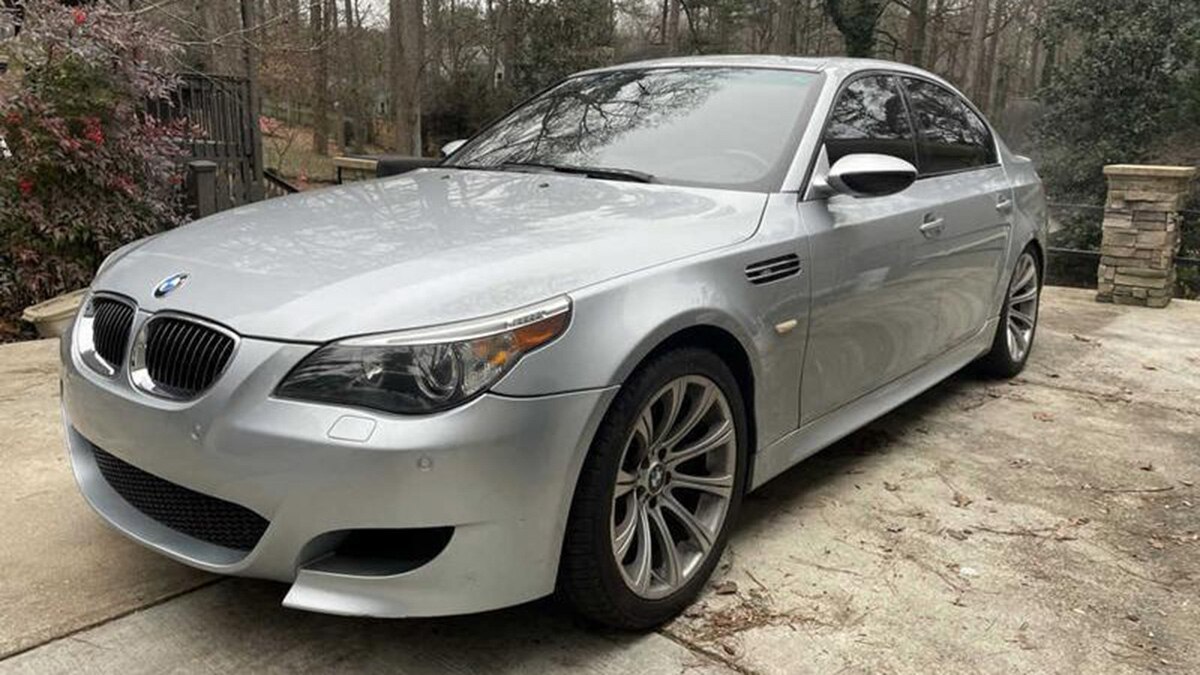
x: 932, y: 227
x: 1003, y: 204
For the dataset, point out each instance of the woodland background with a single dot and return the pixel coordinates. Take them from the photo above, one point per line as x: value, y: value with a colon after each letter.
x: 1075, y: 84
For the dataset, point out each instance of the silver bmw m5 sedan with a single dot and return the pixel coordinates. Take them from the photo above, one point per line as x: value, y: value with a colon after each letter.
x: 557, y: 360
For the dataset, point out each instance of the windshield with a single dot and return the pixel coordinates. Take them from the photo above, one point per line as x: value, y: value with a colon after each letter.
x: 720, y: 127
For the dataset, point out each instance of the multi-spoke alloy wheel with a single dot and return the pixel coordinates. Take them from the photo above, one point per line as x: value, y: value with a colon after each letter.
x: 673, y: 486
x: 658, y: 493
x: 1018, y: 320
x: 1022, y: 307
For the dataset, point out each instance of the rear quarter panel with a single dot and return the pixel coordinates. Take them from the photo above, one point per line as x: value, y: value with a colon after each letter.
x: 1030, y: 215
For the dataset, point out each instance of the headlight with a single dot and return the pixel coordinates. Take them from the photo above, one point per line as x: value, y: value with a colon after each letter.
x: 424, y: 370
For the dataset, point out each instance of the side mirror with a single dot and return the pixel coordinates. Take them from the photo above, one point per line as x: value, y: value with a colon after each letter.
x: 449, y: 148
x: 870, y: 175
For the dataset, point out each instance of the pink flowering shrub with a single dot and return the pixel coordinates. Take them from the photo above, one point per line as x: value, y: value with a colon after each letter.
x: 269, y: 126
x: 87, y: 170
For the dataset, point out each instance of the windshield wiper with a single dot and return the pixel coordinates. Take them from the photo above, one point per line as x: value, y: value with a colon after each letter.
x: 589, y: 171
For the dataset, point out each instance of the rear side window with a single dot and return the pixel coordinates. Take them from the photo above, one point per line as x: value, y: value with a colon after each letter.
x: 952, y: 136
x: 870, y: 116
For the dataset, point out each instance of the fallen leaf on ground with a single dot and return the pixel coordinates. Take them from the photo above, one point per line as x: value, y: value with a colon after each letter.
x: 1061, y: 534
x: 727, y: 587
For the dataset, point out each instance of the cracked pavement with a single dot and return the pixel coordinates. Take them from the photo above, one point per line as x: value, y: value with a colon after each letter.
x: 1046, y: 524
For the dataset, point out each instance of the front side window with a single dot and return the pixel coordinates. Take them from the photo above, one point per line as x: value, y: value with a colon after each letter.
x: 719, y: 127
x: 953, y: 137
x: 870, y: 116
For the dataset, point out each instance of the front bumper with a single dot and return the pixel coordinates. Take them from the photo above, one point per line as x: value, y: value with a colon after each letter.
x: 501, y: 471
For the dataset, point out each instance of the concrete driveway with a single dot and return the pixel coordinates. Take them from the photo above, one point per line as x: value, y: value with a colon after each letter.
x: 1049, y: 524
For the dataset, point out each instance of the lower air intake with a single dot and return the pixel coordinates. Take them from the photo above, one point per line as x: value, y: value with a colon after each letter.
x: 186, y: 511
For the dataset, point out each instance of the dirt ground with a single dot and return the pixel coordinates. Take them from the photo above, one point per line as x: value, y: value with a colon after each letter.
x: 1049, y: 524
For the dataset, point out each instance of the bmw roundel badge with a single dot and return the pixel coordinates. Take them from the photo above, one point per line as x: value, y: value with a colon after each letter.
x: 168, y: 285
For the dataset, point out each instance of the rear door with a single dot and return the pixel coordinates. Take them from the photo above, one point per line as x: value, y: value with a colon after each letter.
x: 967, y: 230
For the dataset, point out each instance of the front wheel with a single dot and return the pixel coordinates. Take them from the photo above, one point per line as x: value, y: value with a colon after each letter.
x: 658, y: 493
x: 1018, y: 321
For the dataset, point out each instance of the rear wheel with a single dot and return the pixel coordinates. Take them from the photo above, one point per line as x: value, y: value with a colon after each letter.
x: 658, y: 493
x: 1018, y: 321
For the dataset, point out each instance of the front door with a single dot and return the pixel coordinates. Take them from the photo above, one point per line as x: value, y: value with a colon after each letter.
x: 874, y: 305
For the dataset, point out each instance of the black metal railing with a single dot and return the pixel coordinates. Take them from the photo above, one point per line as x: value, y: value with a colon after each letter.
x: 222, y: 128
x: 1073, y: 255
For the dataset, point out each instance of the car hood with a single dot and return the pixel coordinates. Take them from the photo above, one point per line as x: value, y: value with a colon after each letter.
x: 429, y: 247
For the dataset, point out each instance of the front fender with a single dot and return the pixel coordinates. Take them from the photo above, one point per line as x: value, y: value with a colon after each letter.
x: 617, y: 323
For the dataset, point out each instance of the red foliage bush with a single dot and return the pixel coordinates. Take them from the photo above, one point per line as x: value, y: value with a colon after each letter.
x: 88, y: 170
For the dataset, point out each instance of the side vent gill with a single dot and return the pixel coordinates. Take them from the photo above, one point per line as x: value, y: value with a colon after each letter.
x: 774, y: 269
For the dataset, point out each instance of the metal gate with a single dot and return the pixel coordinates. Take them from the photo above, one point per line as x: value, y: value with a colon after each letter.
x: 224, y: 131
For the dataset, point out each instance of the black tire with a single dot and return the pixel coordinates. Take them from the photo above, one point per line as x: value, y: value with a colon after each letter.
x: 1000, y: 362
x: 589, y: 579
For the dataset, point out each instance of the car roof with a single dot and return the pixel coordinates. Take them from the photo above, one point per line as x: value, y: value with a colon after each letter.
x: 837, y: 66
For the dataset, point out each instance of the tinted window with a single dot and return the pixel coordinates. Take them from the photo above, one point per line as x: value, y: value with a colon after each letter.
x: 722, y: 127
x: 953, y: 137
x: 869, y: 116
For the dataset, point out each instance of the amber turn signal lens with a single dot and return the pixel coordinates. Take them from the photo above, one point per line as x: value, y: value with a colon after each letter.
x: 536, y: 334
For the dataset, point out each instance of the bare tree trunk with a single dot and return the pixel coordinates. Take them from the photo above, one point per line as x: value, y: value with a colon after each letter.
x: 1035, y: 61
x: 673, y: 25
x: 857, y: 21
x: 804, y: 21
x: 821, y: 29
x: 320, y: 53
x: 975, y: 49
x: 785, y: 28
x: 335, y: 73
x: 250, y: 23
x: 204, y: 54
x: 934, y: 54
x: 493, y: 40
x: 355, y: 104
x: 991, y: 68
x: 506, y: 42
x: 987, y: 63
x: 918, y: 25
x: 1048, y: 64
x: 295, y: 22
x: 406, y: 28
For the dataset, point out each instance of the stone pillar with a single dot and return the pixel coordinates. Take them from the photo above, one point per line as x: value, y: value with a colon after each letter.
x: 1141, y: 233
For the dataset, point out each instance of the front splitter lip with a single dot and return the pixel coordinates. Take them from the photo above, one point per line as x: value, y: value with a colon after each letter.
x: 497, y: 473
